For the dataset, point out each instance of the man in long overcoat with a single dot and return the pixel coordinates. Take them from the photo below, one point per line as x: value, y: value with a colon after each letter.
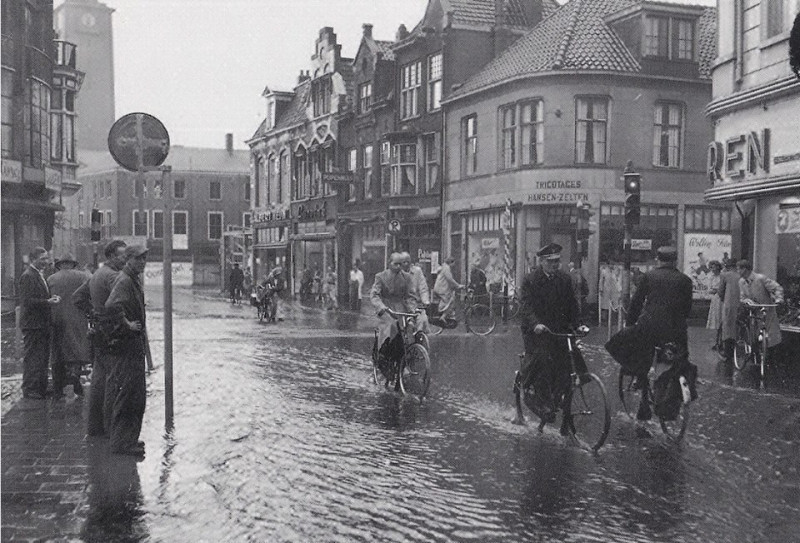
x: 70, y: 327
x: 91, y: 299
x: 759, y: 289
x: 729, y: 294
x: 126, y: 317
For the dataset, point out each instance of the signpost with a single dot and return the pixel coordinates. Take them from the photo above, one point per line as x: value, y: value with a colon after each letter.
x: 140, y: 143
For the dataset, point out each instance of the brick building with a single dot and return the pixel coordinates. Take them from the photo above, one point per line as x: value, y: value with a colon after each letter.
x: 555, y: 118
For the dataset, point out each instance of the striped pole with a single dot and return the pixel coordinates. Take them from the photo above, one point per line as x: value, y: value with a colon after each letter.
x: 508, y: 276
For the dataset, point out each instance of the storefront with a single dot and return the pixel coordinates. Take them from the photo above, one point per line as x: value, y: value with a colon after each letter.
x: 490, y: 234
x: 367, y: 244
x: 421, y: 238
x: 271, y: 229
x: 313, y: 241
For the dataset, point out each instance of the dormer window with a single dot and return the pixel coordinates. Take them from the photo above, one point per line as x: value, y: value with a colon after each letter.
x: 270, y: 113
x: 321, y: 96
x: 668, y: 38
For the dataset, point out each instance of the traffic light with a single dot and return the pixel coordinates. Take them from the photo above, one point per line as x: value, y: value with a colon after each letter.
x: 583, y: 231
x: 632, y: 197
x: 95, y: 220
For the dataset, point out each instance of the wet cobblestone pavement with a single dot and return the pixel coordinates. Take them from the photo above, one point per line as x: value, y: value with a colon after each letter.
x: 280, y: 435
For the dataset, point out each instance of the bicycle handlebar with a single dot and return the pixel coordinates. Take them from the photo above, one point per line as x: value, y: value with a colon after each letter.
x: 759, y: 306
x: 582, y: 331
x: 400, y: 314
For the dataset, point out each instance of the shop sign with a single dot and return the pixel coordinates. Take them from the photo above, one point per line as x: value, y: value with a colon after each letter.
x: 394, y: 226
x: 642, y: 244
x: 698, y: 250
x: 337, y: 178
x: 315, y: 212
x: 788, y: 221
x: 12, y: 171
x: 490, y: 243
x: 423, y: 256
x: 558, y: 191
x: 268, y: 215
x: 182, y: 273
x: 739, y: 157
x: 52, y: 179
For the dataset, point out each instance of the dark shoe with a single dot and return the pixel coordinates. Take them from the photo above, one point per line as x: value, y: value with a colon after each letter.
x: 644, y: 412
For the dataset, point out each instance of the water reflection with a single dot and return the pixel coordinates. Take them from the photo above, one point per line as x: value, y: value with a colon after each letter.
x: 116, y: 511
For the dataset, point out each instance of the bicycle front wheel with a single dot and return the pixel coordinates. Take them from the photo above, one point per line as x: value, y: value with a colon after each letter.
x: 676, y: 428
x: 416, y: 375
x: 741, y: 354
x: 480, y: 320
x: 588, y: 409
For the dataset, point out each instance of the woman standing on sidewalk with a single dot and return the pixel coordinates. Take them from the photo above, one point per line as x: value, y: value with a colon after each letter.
x: 329, y: 290
x: 714, y: 321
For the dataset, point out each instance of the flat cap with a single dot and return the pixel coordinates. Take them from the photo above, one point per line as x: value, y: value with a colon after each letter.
x: 667, y: 253
x: 65, y: 258
x: 550, y: 251
x: 132, y: 251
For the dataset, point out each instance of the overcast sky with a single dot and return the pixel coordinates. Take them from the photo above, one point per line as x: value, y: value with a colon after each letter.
x: 201, y: 65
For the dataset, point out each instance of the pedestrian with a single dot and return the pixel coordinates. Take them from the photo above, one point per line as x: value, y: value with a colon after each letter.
x: 70, y: 327
x: 35, y: 302
x: 477, y: 282
x: 91, y: 299
x: 127, y: 320
x: 329, y: 290
x: 445, y: 289
x: 757, y: 288
x: 247, y: 283
x: 579, y: 286
x: 356, y: 284
x: 728, y: 293
x: 714, y: 320
x: 236, y: 282
x: 419, y: 290
x: 306, y: 284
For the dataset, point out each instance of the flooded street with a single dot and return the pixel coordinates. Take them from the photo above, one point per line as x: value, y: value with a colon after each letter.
x: 281, y: 435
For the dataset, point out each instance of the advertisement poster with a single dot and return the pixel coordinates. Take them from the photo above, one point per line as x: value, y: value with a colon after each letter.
x: 698, y: 250
x: 487, y: 251
x: 181, y: 274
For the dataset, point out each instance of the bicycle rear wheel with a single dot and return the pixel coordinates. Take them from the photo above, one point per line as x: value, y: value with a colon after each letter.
x: 741, y: 354
x: 675, y: 429
x: 416, y: 373
x: 588, y: 409
x: 479, y: 320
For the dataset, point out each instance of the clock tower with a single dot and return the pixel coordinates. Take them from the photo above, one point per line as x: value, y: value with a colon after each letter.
x: 87, y: 24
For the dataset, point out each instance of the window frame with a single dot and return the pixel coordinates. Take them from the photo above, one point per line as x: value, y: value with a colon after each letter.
x: 175, y: 192
x: 410, y: 89
x: 185, y: 213
x: 367, y: 168
x: 670, y: 46
x: 431, y: 159
x: 37, y: 124
x: 658, y: 150
x: 134, y: 231
x: 434, y: 94
x: 221, y: 215
x: 469, y: 145
x: 507, y: 140
x: 211, y: 184
x: 537, y: 128
x: 352, y: 167
x: 593, y: 99
x: 365, y: 97
x: 156, y: 222
x: 399, y: 166
x: 7, y: 109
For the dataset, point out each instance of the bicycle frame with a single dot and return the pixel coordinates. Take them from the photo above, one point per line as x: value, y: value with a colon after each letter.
x: 757, y: 332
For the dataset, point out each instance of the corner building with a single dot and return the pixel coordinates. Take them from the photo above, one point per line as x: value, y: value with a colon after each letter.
x: 754, y: 157
x: 553, y: 122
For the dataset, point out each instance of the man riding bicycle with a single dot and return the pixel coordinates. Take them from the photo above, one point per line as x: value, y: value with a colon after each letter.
x: 548, y: 302
x: 273, y: 283
x: 391, y: 291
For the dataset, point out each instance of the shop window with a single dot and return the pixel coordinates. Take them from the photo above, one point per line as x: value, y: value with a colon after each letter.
x: 365, y: 97
x: 434, y: 82
x: 410, y: 84
x: 214, y: 225
x: 591, y: 121
x: 532, y: 132
x: 469, y: 130
x: 667, y: 133
x: 386, y: 170
x: 179, y: 188
x: 158, y: 224
x: 431, y: 143
x: 658, y: 227
x: 404, y: 169
x: 706, y: 219
x: 214, y: 190
x: 788, y: 263
x: 508, y: 137
x: 367, y: 168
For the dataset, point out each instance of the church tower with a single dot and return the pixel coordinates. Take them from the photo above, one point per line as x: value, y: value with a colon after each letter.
x: 87, y: 24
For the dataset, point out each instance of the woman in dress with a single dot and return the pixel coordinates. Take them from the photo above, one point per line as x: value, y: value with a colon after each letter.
x: 714, y: 321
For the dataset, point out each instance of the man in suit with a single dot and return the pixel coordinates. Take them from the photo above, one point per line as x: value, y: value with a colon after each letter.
x: 35, y: 321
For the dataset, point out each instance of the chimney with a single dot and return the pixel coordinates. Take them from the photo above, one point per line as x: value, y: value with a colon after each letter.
x: 302, y: 77
x: 402, y: 33
x: 367, y: 30
x: 229, y: 143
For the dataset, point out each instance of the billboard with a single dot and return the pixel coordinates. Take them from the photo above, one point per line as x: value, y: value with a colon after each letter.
x: 698, y: 250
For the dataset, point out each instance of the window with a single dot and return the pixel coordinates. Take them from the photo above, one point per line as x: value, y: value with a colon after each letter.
x: 352, y: 164
x: 62, y: 126
x: 81, y: 219
x: 157, y: 188
x: 431, y: 143
x: 214, y: 190
x: 434, y: 81
x: 139, y: 188
x: 321, y: 96
x: 707, y: 219
x: 469, y: 129
x: 272, y: 179
x: 773, y: 18
x: 101, y: 189
x: 140, y: 224
x: 508, y: 137
x: 158, y: 224
x: 590, y: 130
x: 179, y: 188
x: 300, y: 175
x: 246, y: 219
x: 365, y: 97
x: 404, y: 169
x: 283, y: 182
x: 366, y: 158
x: 410, y: 82
x: 180, y: 223
x: 386, y: 170
x: 39, y: 127
x: 247, y: 190
x: 7, y: 113
x: 668, y: 38
x: 667, y: 130
x: 105, y: 224
x: 214, y: 225
x: 532, y: 132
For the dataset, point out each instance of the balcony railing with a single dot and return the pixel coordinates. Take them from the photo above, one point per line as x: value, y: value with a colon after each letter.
x: 65, y: 53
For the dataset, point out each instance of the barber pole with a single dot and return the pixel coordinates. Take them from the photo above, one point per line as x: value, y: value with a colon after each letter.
x: 505, y: 223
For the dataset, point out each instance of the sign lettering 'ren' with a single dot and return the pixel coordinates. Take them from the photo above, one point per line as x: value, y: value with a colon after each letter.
x: 758, y: 152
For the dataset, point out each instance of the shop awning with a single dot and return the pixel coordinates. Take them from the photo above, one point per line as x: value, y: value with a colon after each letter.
x: 753, y: 189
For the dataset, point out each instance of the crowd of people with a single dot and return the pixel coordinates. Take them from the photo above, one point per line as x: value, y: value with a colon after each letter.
x: 73, y: 318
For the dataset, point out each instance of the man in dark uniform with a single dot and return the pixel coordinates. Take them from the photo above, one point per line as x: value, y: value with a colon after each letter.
x: 548, y: 302
x: 236, y: 281
x: 126, y: 315
x: 659, y: 310
x: 91, y: 299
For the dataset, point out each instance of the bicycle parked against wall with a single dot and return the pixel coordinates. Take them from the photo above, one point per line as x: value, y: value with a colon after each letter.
x: 584, y: 406
x: 752, y: 337
x: 409, y: 370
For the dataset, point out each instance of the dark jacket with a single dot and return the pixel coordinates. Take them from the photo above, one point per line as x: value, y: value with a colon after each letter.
x: 237, y: 277
x: 549, y: 301
x: 477, y: 281
x: 126, y: 300
x: 662, y: 304
x: 69, y: 323
x: 35, y: 311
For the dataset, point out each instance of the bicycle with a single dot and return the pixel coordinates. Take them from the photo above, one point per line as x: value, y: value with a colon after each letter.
x: 409, y: 372
x: 586, y: 415
x: 236, y: 296
x: 752, y: 337
x: 664, y: 358
x: 505, y: 306
x: 264, y: 309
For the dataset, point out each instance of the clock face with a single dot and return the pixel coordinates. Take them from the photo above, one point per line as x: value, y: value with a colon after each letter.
x: 88, y: 20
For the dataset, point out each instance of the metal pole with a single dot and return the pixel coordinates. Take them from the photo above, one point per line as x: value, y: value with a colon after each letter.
x: 166, y: 178
x: 626, y: 273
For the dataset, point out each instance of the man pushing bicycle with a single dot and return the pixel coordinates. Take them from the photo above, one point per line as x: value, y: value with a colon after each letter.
x: 548, y: 303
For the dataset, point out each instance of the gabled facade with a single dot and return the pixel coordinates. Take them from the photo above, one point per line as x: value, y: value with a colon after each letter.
x: 553, y: 121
